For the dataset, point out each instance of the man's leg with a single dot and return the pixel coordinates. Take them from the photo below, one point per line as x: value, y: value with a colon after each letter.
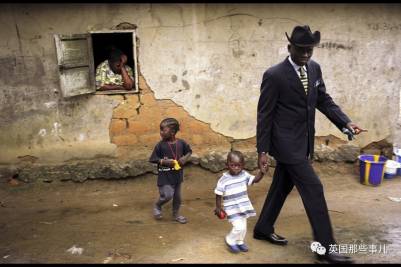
x: 311, y: 190
x: 279, y: 189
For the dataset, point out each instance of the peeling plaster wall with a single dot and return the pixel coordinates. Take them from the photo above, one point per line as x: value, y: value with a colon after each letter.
x: 397, y: 131
x: 207, y: 58
x: 34, y: 119
x: 212, y: 58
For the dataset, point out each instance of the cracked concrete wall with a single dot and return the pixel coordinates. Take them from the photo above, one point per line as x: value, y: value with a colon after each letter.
x: 228, y: 47
x: 136, y: 132
x: 397, y: 131
x: 206, y: 58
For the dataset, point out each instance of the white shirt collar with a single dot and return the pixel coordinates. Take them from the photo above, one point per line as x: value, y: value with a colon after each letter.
x: 295, y: 66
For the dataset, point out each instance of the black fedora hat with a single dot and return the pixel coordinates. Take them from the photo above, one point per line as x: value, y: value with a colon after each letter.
x: 302, y: 36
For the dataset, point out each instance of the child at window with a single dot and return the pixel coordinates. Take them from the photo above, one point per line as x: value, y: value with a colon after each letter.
x: 170, y: 154
x: 232, y: 188
x: 114, y: 73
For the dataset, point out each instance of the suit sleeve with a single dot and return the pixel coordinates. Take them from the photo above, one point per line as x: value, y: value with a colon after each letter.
x: 328, y: 107
x: 265, y: 112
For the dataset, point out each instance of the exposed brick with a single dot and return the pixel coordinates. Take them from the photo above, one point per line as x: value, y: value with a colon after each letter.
x: 148, y: 100
x: 155, y: 111
x: 149, y: 140
x: 194, y: 126
x: 142, y: 127
x: 197, y: 139
x: 132, y: 100
x: 146, y: 91
x: 124, y: 140
x: 124, y: 110
x: 147, y: 113
x: 117, y: 126
x: 175, y: 112
x: 142, y: 83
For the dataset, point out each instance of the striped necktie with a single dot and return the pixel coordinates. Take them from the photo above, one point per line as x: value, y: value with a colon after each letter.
x: 304, y: 79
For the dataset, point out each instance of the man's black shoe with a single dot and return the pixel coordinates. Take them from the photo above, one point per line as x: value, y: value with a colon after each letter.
x: 334, y: 257
x: 272, y: 238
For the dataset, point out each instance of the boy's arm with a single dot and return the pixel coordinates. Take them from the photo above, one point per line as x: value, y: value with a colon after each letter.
x: 184, y: 159
x: 156, y: 157
x: 218, y: 205
x: 187, y: 154
x: 166, y: 162
x: 258, y: 177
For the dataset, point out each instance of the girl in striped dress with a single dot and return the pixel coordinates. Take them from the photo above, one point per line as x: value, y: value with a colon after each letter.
x: 232, y: 188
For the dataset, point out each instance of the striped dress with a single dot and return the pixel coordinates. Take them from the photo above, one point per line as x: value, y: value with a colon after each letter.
x: 235, y: 197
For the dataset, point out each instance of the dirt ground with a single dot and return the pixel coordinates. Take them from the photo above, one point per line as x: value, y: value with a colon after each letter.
x: 111, y: 221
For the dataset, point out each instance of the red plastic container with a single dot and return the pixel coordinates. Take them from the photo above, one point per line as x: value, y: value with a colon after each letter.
x: 222, y: 215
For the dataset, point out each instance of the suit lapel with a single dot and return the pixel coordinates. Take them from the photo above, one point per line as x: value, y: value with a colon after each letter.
x: 294, y: 80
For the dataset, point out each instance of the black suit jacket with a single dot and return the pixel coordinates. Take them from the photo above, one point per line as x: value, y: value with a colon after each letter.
x: 286, y: 115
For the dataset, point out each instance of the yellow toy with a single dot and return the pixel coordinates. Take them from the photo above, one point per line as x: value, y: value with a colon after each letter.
x: 176, y: 165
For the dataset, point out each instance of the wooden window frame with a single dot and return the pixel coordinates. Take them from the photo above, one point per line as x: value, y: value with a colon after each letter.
x: 67, y: 70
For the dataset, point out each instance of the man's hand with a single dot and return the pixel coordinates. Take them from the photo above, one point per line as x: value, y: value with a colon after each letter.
x: 355, y: 128
x: 262, y: 163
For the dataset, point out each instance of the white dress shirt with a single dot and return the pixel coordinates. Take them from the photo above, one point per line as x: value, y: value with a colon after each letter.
x: 296, y: 68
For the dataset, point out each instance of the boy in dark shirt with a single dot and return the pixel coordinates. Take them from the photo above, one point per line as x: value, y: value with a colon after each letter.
x: 170, y: 155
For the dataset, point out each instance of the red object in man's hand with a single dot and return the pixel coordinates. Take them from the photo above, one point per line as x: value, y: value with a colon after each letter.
x: 222, y: 214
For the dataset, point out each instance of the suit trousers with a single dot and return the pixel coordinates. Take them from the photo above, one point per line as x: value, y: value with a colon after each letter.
x: 310, y: 189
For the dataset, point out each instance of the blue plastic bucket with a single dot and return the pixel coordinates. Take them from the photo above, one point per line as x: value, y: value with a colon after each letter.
x: 371, y: 169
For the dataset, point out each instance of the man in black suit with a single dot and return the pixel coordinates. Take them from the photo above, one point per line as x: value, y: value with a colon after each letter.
x: 290, y: 93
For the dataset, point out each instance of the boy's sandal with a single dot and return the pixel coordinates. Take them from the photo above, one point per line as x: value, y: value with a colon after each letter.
x: 232, y: 248
x: 157, y: 214
x: 243, y: 247
x: 181, y: 219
